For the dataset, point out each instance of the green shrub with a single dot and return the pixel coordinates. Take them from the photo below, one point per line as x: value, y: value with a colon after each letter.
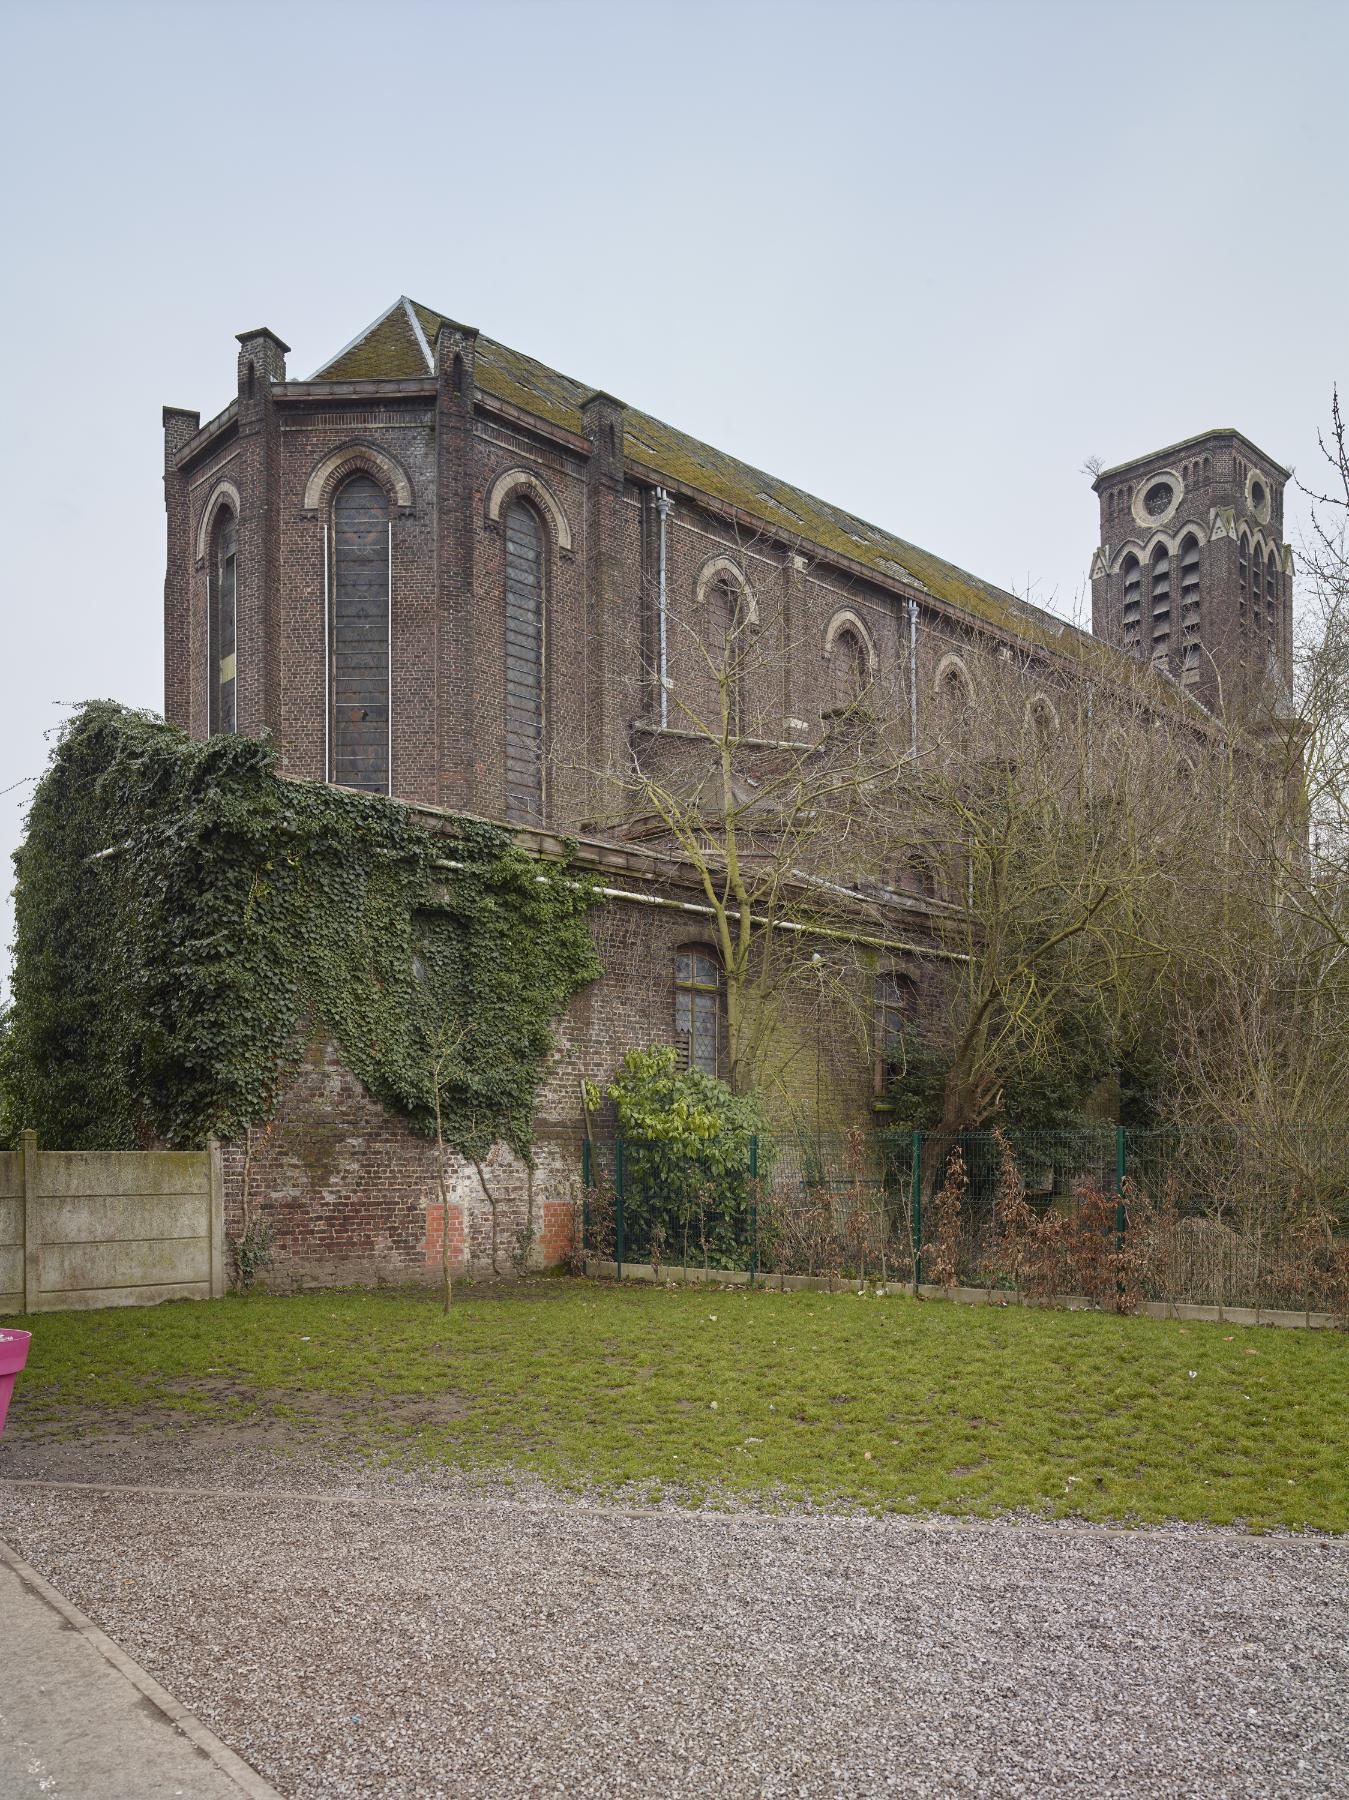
x: 688, y: 1195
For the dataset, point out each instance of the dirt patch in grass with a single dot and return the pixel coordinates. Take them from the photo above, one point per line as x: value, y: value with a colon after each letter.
x: 228, y: 1421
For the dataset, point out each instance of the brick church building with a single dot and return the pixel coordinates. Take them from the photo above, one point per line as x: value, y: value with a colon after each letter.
x: 441, y: 571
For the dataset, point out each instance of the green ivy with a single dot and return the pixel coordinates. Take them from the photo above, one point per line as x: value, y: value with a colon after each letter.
x: 188, y: 921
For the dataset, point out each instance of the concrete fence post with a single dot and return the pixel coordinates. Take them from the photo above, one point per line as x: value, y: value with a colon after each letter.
x: 216, y: 1225
x: 32, y: 1229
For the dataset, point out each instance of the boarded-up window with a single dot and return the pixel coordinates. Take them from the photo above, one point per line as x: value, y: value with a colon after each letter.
x: 524, y: 664
x: 698, y: 1008
x: 222, y: 658
x: 360, y: 636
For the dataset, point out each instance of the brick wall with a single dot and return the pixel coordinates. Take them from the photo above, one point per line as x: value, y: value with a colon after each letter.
x: 349, y: 1192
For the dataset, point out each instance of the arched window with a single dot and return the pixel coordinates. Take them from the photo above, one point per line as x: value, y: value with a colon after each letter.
x: 849, y: 669
x: 1042, y: 721
x: 525, y: 651
x: 1243, y: 579
x: 1189, y: 607
x: 955, y: 706
x: 221, y: 625
x: 359, y: 637
x: 698, y: 1008
x: 1160, y: 589
x: 1133, y: 596
x: 729, y: 624
x: 1271, y: 593
x: 1257, y: 586
x: 895, y: 1006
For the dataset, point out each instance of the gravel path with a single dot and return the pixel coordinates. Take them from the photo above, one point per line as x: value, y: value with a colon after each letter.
x: 410, y: 1642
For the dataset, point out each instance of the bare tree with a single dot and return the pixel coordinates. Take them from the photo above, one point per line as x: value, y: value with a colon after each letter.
x: 776, y: 832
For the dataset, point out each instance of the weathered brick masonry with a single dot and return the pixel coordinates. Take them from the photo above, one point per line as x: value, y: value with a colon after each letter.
x: 456, y: 430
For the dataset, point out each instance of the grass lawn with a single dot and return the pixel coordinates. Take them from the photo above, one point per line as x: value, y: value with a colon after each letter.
x: 885, y: 1403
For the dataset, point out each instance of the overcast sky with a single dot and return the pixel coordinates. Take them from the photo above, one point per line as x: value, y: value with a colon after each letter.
x: 921, y: 259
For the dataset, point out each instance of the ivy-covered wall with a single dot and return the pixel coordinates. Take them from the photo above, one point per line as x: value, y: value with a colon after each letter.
x: 188, y: 922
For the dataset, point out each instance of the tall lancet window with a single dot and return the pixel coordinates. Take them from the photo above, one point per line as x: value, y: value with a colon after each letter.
x: 359, y: 637
x: 1243, y: 579
x: 1133, y: 591
x: 1161, y: 603
x: 1271, y: 596
x: 1189, y: 607
x: 1257, y: 584
x: 525, y: 649
x: 221, y: 625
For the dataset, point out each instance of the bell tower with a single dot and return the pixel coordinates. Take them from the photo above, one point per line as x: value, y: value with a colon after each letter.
x: 1192, y: 573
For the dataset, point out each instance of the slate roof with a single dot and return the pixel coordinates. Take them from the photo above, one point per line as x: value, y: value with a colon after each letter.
x: 399, y: 345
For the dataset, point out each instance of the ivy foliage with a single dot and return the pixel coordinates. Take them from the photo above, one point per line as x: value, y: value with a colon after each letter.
x: 188, y: 921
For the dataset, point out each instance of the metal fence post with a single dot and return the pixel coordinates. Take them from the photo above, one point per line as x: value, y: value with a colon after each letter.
x: 587, y: 1182
x: 916, y: 1208
x: 618, y: 1205
x: 754, y: 1209
x: 1121, y: 1151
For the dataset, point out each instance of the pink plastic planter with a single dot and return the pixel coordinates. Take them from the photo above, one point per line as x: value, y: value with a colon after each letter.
x: 13, y: 1355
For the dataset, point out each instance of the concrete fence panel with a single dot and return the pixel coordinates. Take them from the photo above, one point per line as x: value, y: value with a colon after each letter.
x: 11, y: 1232
x: 84, y: 1228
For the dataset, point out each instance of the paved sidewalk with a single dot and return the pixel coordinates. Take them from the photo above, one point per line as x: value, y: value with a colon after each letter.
x: 80, y: 1721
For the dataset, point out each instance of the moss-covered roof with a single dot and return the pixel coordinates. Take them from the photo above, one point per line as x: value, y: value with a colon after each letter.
x: 398, y: 345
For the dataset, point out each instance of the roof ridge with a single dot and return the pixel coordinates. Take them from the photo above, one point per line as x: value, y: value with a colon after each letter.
x: 411, y: 312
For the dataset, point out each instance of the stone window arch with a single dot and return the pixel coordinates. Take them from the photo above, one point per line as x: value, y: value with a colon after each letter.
x: 222, y: 623
x: 224, y: 493
x: 699, y: 1008
x: 328, y: 475
x: 360, y: 718
x: 850, y: 660
x: 526, y: 654
x: 724, y: 572
x: 524, y: 484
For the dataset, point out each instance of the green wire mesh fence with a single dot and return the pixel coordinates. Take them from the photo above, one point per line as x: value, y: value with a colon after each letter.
x: 1202, y: 1217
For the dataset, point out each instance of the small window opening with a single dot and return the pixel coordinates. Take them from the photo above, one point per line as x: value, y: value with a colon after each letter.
x: 698, y: 1008
x: 896, y: 1007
